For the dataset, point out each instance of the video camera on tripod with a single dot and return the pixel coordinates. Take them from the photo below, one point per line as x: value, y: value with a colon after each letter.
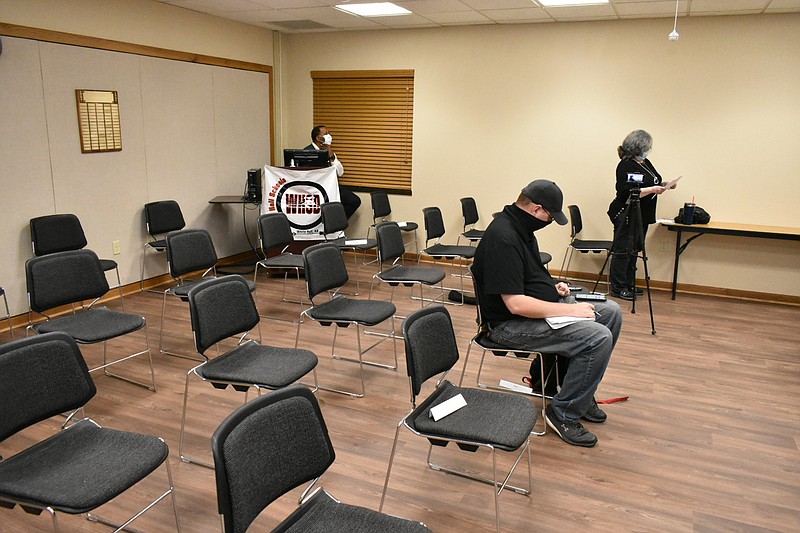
x: 635, y: 246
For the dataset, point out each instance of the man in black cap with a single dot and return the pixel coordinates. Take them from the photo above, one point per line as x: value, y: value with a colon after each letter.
x: 516, y: 294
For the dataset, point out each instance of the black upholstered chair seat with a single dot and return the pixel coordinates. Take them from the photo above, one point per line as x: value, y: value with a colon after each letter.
x: 182, y: 290
x: 404, y: 274
x: 93, y: 325
x: 341, y: 309
x: 255, y: 364
x: 486, y: 343
x: 323, y: 514
x: 80, y: 468
x: 474, y: 234
x: 450, y: 251
x: 160, y: 244
x: 503, y: 420
x: 108, y: 264
x: 408, y: 226
x: 590, y: 246
x: 545, y: 257
x: 283, y: 261
x: 368, y: 244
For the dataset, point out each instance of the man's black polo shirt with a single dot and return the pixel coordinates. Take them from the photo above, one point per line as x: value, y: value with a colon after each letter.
x: 507, y: 261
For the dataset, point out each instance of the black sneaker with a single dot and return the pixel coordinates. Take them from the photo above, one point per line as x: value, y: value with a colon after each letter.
x: 623, y: 295
x: 639, y: 291
x: 571, y: 432
x: 595, y: 414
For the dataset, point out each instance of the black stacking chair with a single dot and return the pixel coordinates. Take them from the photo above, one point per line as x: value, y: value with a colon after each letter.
x: 391, y: 248
x: 382, y: 210
x: 583, y: 246
x: 326, y: 272
x: 72, y: 278
x: 491, y: 420
x: 469, y: 209
x: 160, y: 218
x: 59, y: 233
x: 275, y: 234
x: 7, y: 316
x: 334, y: 221
x: 189, y: 252
x: 81, y: 467
x: 274, y: 444
x: 482, y: 342
x: 222, y: 308
x: 434, y: 231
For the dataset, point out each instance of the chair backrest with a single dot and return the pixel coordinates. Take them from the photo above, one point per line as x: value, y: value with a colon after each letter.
x: 575, y: 221
x: 40, y: 377
x: 265, y: 448
x: 479, y: 316
x: 470, y: 211
x: 274, y: 231
x: 220, y: 308
x: 380, y: 205
x: 324, y: 268
x: 162, y: 217
x: 430, y: 341
x: 334, y: 217
x: 56, y: 233
x: 64, y: 278
x: 434, y: 225
x: 390, y: 241
x: 189, y: 250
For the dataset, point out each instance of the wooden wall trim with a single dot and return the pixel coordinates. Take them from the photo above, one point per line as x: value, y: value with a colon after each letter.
x: 51, y: 36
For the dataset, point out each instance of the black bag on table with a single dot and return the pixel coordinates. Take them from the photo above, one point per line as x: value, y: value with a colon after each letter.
x: 700, y: 216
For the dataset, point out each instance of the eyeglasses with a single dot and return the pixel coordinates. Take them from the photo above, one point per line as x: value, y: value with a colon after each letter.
x: 549, y: 216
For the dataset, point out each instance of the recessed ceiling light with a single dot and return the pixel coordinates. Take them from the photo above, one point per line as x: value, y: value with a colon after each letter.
x: 564, y: 3
x: 377, y: 9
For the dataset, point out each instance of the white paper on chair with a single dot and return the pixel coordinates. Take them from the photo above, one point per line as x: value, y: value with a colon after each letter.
x: 447, y: 407
x: 402, y: 224
x: 515, y: 387
x: 355, y: 242
x: 558, y: 322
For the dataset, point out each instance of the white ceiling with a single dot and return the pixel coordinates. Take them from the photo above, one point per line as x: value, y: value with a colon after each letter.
x: 294, y: 16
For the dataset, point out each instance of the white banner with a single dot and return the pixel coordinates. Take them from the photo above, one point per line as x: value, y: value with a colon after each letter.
x: 299, y: 194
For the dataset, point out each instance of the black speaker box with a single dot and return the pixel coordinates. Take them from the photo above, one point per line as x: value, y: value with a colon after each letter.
x: 253, y: 185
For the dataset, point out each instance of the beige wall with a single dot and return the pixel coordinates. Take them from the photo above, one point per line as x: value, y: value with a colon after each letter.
x: 554, y: 101
x: 147, y: 23
x: 189, y: 131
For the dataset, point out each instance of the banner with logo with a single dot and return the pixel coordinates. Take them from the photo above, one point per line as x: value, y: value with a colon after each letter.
x: 299, y: 194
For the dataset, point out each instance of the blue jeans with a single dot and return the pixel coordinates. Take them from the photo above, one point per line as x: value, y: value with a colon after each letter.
x: 588, y: 345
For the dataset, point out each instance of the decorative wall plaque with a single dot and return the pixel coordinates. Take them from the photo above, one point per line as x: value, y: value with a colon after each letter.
x: 98, y: 121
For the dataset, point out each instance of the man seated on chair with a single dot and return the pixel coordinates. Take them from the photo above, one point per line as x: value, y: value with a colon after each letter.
x: 517, y: 293
x: 322, y: 140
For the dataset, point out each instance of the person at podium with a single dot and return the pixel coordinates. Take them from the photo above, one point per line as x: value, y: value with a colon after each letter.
x: 321, y: 139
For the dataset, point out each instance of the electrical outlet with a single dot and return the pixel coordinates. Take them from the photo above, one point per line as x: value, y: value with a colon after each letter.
x: 115, y: 246
x: 663, y: 245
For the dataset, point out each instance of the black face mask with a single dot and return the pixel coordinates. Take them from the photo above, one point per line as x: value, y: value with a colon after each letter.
x: 537, y: 224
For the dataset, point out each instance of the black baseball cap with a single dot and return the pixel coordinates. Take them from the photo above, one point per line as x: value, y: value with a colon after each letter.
x: 548, y: 195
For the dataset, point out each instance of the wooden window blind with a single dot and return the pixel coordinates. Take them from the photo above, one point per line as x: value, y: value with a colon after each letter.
x: 370, y: 115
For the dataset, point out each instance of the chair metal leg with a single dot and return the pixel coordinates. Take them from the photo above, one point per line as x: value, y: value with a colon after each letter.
x: 8, y: 314
x: 161, y: 336
x: 186, y: 458
x: 105, y: 366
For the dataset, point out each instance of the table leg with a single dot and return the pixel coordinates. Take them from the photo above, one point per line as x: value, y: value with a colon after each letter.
x: 675, y: 269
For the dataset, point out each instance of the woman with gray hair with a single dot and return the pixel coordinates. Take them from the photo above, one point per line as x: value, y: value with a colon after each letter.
x: 634, y: 172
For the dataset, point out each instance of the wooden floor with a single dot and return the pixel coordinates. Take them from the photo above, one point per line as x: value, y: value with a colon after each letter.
x: 707, y: 442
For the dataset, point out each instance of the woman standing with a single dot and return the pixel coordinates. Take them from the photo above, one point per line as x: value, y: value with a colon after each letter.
x: 634, y: 171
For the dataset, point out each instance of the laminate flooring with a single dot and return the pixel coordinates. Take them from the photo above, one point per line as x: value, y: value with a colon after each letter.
x: 707, y: 442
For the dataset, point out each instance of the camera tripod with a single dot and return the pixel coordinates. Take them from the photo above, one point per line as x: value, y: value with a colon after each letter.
x: 636, y: 247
